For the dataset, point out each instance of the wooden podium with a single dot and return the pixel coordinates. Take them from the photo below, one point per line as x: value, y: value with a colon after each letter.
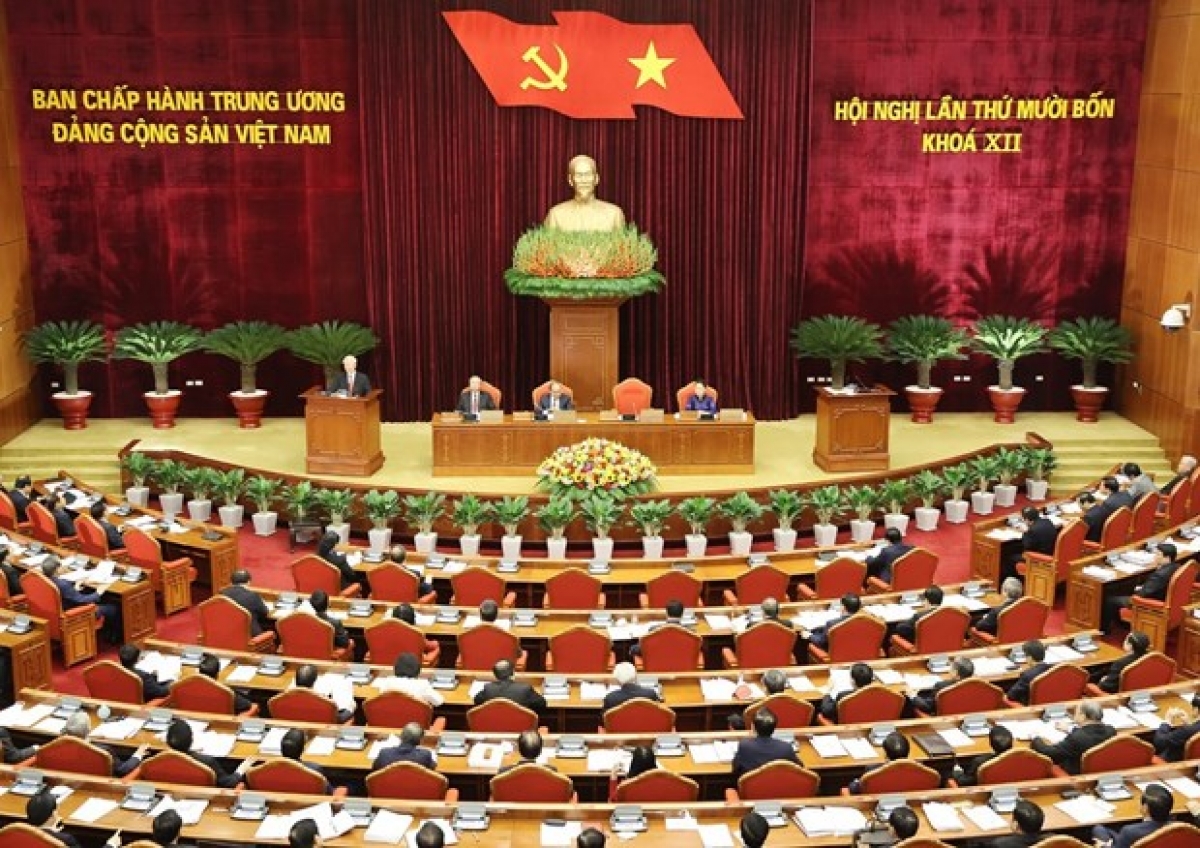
x: 852, y: 429
x: 585, y: 347
x: 342, y: 434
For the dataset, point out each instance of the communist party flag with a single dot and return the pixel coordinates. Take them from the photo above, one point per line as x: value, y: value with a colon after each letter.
x: 593, y: 66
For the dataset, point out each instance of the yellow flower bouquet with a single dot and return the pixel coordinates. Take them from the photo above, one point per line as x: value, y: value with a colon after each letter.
x: 596, y: 465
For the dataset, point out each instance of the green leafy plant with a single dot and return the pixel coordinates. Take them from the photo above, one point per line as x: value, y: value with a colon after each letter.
x: 549, y: 262
x: 420, y: 511
x: 200, y: 481
x: 262, y: 492
x: 336, y: 503
x: 984, y: 469
x: 329, y: 342
x: 247, y: 343
x: 1092, y: 341
x: 383, y: 507
x: 1007, y: 339
x: 1009, y: 463
x: 928, y: 486
x: 958, y: 478
x: 1039, y: 462
x: 894, y: 495
x: 230, y: 485
x: 510, y: 511
x: 838, y: 339
x: 170, y: 475
x: 925, y: 340
x: 787, y: 506
x: 601, y: 512
x: 556, y: 515
x: 67, y: 344
x: 862, y: 501
x: 140, y: 467
x: 299, y: 499
x: 158, y: 344
x: 650, y: 516
x: 468, y: 512
x: 697, y: 512
x: 741, y: 510
x: 825, y: 502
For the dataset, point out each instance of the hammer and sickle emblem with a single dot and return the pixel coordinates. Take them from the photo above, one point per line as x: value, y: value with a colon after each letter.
x: 554, y: 78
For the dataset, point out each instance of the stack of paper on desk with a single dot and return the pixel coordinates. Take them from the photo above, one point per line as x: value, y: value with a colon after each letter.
x: 1086, y: 809
x: 118, y: 729
x: 963, y: 602
x: 1099, y: 572
x: 487, y: 755
x: 992, y: 666
x: 718, y: 751
x: 387, y: 827
x: 860, y: 748
x: 560, y: 834
x: 801, y: 683
x: 830, y: 821
x: 985, y: 818
x: 603, y: 759
x: 190, y: 810
x: 828, y: 745
x: 592, y: 691
x: 942, y: 817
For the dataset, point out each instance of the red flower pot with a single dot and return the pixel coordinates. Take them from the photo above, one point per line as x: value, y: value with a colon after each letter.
x: 1005, y: 403
x: 1088, y: 402
x: 163, y: 408
x: 922, y: 402
x: 249, y: 408
x: 73, y: 409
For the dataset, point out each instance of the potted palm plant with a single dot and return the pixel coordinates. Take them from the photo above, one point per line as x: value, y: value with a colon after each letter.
x: 200, y: 482
x: 140, y: 468
x: 958, y: 478
x: 862, y: 501
x: 1007, y: 339
x: 421, y: 512
x: 229, y: 488
x: 741, y: 510
x: 554, y: 517
x: 247, y: 343
x: 786, y: 506
x: 984, y: 469
x: 299, y: 501
x: 650, y: 517
x: 839, y: 339
x: 158, y: 344
x: 825, y: 502
x: 67, y: 344
x: 382, y: 508
x: 170, y: 476
x: 262, y: 492
x: 894, y: 495
x: 697, y: 512
x: 924, y: 340
x: 1039, y: 462
x: 1009, y: 464
x: 1091, y: 341
x: 337, y: 504
x: 928, y: 486
x: 510, y: 511
x: 601, y: 512
x: 468, y: 513
x: 328, y: 342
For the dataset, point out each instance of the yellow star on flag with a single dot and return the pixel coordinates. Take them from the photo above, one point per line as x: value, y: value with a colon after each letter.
x: 650, y: 67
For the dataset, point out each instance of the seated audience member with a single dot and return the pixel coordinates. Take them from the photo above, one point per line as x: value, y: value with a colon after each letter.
x: 304, y: 834
x: 1035, y: 656
x: 473, y: 399
x: 13, y: 754
x: 926, y: 699
x: 895, y: 747
x: 1001, y: 740
x: 432, y: 836
x: 753, y: 829
x: 210, y: 667
x: 21, y: 496
x: 408, y: 751
x: 12, y: 575
x: 75, y: 595
x: 1140, y: 483
x: 773, y: 682
x: 327, y: 550
x: 1012, y: 590
x: 1039, y: 537
x: 342, y: 695
x: 851, y: 604
x: 628, y: 688
x: 319, y: 601
x: 41, y: 811
x: 674, y: 611
x: 529, y: 748
x: 292, y: 748
x: 405, y: 612
x: 861, y: 675
x: 1180, y: 725
x: 554, y: 400
x: 407, y: 679
x: 1114, y: 499
x: 504, y: 686
x: 129, y: 654
x: 641, y: 760
x: 489, y: 611
x: 762, y: 747
x: 1090, y: 731
x: 903, y: 823
x: 770, y: 611
x: 179, y: 738
x: 1136, y: 646
x: 907, y: 630
x: 1187, y: 464
x: 399, y: 556
x: 79, y: 726
x: 881, y: 564
x: 1027, y: 821
x: 589, y: 837
x: 241, y: 594
x: 64, y: 523
x: 1156, y: 814
x: 112, y: 533
x: 1154, y: 587
x: 700, y: 400
x: 165, y: 829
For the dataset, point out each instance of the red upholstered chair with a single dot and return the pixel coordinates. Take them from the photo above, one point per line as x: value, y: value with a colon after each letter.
x: 74, y: 629
x: 304, y: 636
x: 682, y: 394
x: 532, y: 784
x: 17, y: 603
x: 657, y: 786
x: 780, y: 779
x: 93, y: 541
x: 488, y: 389
x: 767, y: 644
x: 43, y: 528
x: 392, y: 637
x: 1158, y: 618
x: 856, y: 638
x: 1176, y: 835
x: 639, y: 715
x: 670, y: 648
x: 21, y: 835
x: 482, y: 646
x: 66, y: 753
x: 1144, y: 511
x: 972, y: 695
x: 1191, y: 750
x: 1068, y: 547
x: 544, y: 389
x: 288, y: 776
x: 573, y: 589
x: 500, y: 715
x: 1025, y: 619
x: 1015, y: 766
x: 200, y: 694
x: 311, y: 573
x: 110, y: 681
x: 631, y: 396
x: 1154, y: 669
x: 789, y: 710
x: 872, y: 703
x: 898, y: 776
x: 842, y: 576
x: 8, y: 514
x: 912, y: 572
x: 1176, y: 509
x: 174, y: 767
x: 410, y: 782
x: 303, y: 705
x: 396, y: 584
x: 172, y: 579
x: 756, y: 585
x: 1118, y: 754
x: 673, y: 585
x: 474, y: 585
x: 1063, y: 682
x: 226, y: 625
x: 942, y: 631
x: 580, y: 650
x: 1115, y: 532
x: 396, y: 709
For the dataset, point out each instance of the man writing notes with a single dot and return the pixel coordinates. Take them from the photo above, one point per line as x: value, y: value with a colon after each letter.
x: 351, y: 382
x: 474, y: 399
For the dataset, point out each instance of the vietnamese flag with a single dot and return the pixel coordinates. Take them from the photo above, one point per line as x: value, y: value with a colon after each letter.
x: 593, y: 66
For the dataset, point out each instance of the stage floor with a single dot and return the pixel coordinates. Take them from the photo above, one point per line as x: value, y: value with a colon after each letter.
x: 783, y: 449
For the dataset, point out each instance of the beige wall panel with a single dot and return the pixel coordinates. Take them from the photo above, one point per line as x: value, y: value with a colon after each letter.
x: 1167, y: 51
x: 1184, y: 227
x: 1178, y: 7
x: 1144, y: 281
x: 15, y: 294
x: 1181, y: 278
x: 1187, y: 143
x: 12, y: 211
x: 1158, y: 129
x: 1152, y: 187
x: 15, y: 370
x: 1191, y: 63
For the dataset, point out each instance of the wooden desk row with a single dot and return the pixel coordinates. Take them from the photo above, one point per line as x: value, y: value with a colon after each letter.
x: 28, y: 655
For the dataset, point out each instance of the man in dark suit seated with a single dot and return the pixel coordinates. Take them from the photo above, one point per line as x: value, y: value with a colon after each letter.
x: 75, y: 595
x: 179, y: 738
x: 1114, y: 499
x: 327, y: 550
x: 513, y: 690
x: 112, y: 533
x: 12, y: 575
x: 895, y: 747
x: 408, y: 751
x: 241, y: 594
x: 319, y: 601
x: 152, y: 687
x: 627, y: 687
x: 529, y: 748
x: 861, y: 675
x: 1154, y: 587
x: 1156, y: 814
x: 307, y: 678
x: 64, y: 524
x: 291, y: 746
x: 1136, y: 646
x: 881, y: 564
x: 1187, y: 464
x: 1039, y: 537
x: 1012, y: 590
x: 210, y: 667
x: 555, y: 399
x: 1171, y: 737
x: 1027, y: 821
x: 926, y: 699
x: 1090, y: 730
x: 907, y: 630
x: 21, y: 496
x: 1001, y: 740
x: 165, y: 830
x: 1035, y: 655
x: 700, y: 400
x: 762, y: 747
x: 473, y: 399
x: 350, y: 381
x: 79, y: 726
x: 819, y: 636
x: 41, y: 811
x: 11, y: 753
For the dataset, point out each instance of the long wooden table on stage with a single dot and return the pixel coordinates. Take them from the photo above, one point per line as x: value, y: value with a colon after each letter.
x: 516, y: 445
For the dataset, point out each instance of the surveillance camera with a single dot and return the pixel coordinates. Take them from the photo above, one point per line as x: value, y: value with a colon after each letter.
x: 1176, y: 317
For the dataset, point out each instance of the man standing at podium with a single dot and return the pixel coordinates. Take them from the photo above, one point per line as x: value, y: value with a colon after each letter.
x: 474, y: 399
x: 351, y: 381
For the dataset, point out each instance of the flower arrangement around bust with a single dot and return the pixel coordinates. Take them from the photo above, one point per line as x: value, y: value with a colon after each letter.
x: 556, y: 263
x: 596, y: 465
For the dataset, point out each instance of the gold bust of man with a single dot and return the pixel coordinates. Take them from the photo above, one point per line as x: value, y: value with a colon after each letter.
x: 584, y: 211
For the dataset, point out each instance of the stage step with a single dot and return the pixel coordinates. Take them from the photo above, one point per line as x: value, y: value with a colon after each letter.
x: 1081, y: 461
x: 98, y: 467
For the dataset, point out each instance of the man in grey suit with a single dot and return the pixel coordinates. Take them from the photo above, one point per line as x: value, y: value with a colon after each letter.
x: 351, y: 381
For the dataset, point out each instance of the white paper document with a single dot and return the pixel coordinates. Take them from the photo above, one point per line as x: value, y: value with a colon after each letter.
x: 889, y: 677
x: 603, y: 759
x: 117, y: 730
x: 942, y: 817
x: 487, y: 755
x: 1099, y: 572
x: 717, y: 689
x: 860, y: 748
x: 93, y: 809
x: 592, y: 691
x: 985, y: 818
x: 560, y: 834
x: 241, y: 674
x: 827, y: 745
x: 321, y: 746
x: 387, y: 827
x: 830, y: 821
x: 1062, y: 653
x: 1086, y: 809
x: 715, y: 836
x: 801, y: 683
x: 718, y: 622
x: 992, y: 666
x: 190, y: 810
x: 955, y: 738
x: 717, y: 751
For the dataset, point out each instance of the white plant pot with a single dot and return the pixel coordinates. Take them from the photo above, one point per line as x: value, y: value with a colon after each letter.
x: 171, y: 503
x: 556, y: 548
x: 425, y: 542
x: 138, y: 496
x: 785, y: 540
x: 380, y: 538
x: 510, y: 547
x: 343, y: 531
x: 469, y: 544
x: 1006, y: 494
x: 696, y: 543
x: 740, y: 543
x: 1037, y: 490
x: 232, y: 516
x: 898, y: 520
x: 982, y: 503
x: 200, y: 510
x: 861, y: 531
x: 264, y: 522
x: 602, y: 549
x: 956, y: 511
x: 652, y: 547
x: 825, y: 535
x: 927, y: 517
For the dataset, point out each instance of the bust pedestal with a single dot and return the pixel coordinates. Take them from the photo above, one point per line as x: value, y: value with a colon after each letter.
x: 585, y: 348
